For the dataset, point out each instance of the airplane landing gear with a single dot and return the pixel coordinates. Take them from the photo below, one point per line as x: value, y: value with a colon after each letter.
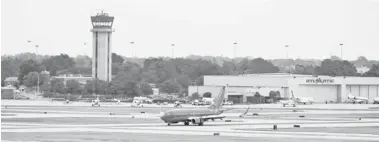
x: 168, y: 124
x: 186, y: 123
x: 201, y: 123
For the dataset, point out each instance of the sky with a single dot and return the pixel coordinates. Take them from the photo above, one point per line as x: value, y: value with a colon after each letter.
x: 261, y: 28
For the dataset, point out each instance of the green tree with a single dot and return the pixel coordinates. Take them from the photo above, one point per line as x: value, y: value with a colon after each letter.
x: 199, y: 81
x: 131, y: 89
x: 27, y: 67
x: 146, y: 89
x: 184, y: 81
x: 335, y: 58
x: 5, y: 70
x: 59, y: 62
x: 361, y: 61
x: 149, y: 76
x: 73, y: 86
x: 373, y: 72
x: 97, y: 86
x: 207, y: 95
x: 195, y: 96
x: 57, y: 85
x: 117, y: 58
x: 31, y: 79
x: 229, y: 68
x: 301, y: 69
x: 259, y: 65
x: 83, y: 61
x: 275, y: 95
x: 170, y: 86
x: 336, y: 68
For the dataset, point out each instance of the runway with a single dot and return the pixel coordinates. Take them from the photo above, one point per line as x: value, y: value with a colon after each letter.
x: 74, y: 122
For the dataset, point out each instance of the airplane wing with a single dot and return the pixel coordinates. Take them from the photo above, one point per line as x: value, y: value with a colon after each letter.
x: 209, y: 117
x: 227, y: 109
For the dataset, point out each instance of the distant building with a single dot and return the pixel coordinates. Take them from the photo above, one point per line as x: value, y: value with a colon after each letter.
x: 80, y: 78
x: 11, y: 81
x: 242, y: 88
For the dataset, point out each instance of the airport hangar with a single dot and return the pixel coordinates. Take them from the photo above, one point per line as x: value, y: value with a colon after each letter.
x: 241, y: 88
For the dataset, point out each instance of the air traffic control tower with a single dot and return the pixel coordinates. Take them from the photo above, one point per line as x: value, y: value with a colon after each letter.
x: 102, y: 51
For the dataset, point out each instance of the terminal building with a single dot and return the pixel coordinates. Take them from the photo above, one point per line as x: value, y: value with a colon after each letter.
x: 242, y: 88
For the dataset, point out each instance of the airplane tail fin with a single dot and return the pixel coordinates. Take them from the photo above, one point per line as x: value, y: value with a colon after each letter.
x: 293, y: 95
x: 247, y: 110
x: 219, y: 100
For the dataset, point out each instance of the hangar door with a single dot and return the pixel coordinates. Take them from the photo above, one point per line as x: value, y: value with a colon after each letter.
x: 236, y: 99
x: 320, y: 93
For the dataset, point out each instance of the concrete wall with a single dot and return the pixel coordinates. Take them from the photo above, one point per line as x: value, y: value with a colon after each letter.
x: 272, y: 81
x: 104, y: 55
x: 330, y: 89
x: 320, y: 93
x: 368, y: 91
x: 246, y: 91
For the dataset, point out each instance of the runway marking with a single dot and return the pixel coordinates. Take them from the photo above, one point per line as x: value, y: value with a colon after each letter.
x: 173, y: 132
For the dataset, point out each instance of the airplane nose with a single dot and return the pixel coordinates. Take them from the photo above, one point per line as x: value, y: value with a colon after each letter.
x: 163, y: 118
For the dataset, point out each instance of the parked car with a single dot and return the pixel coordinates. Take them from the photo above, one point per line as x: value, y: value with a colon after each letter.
x: 21, y: 97
x: 137, y: 104
x: 198, y: 103
x: 228, y: 103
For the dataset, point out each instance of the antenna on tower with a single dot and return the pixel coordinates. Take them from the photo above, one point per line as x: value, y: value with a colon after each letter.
x: 102, y: 11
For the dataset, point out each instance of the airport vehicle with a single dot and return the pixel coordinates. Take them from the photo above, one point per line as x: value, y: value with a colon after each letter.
x: 21, y: 97
x: 96, y: 102
x: 376, y: 100
x: 177, y: 104
x: 301, y: 100
x: 142, y: 100
x: 288, y: 103
x: 207, y: 101
x: 196, y: 115
x: 355, y: 99
x: 67, y: 101
x: 137, y: 104
x: 228, y: 103
x: 198, y: 103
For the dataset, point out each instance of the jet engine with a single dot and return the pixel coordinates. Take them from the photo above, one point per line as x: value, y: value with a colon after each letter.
x: 196, y: 120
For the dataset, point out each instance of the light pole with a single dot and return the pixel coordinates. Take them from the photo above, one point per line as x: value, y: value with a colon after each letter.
x: 289, y: 66
x: 139, y: 90
x: 35, y: 97
x: 234, y: 49
x: 341, y: 50
x: 84, y: 52
x: 132, y: 43
x: 172, y: 50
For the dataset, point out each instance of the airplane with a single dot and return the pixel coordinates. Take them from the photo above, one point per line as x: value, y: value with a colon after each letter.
x: 296, y: 100
x: 301, y: 100
x: 196, y: 115
x: 356, y: 99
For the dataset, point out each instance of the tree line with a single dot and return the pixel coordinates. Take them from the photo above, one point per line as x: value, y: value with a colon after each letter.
x: 134, y: 77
